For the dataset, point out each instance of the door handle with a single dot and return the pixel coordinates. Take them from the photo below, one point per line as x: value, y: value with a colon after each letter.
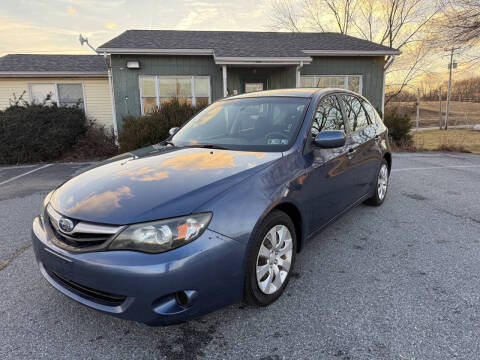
x: 351, y: 152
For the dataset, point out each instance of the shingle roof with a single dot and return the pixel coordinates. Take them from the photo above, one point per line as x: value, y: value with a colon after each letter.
x: 34, y: 63
x: 242, y: 43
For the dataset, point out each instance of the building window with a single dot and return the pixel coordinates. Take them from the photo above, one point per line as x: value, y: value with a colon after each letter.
x: 56, y: 93
x: 348, y: 82
x: 156, y: 90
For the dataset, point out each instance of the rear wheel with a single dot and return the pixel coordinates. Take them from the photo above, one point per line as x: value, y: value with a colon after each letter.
x: 381, y: 186
x: 271, y: 259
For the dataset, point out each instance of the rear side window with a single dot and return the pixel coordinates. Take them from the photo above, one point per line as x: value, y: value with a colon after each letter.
x: 372, y: 113
x: 328, y: 116
x: 356, y: 114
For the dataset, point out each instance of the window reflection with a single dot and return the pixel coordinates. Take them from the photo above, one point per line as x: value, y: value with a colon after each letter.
x: 356, y: 115
x: 328, y: 116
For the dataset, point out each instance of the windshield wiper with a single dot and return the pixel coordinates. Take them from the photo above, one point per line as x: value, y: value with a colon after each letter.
x: 208, y: 146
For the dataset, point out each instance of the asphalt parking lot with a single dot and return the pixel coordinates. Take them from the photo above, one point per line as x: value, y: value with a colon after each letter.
x: 397, y: 282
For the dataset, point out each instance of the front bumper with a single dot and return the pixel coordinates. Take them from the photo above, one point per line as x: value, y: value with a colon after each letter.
x: 156, y: 289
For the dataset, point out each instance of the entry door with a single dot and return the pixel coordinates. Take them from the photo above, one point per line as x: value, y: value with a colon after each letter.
x: 252, y: 87
x: 254, y: 83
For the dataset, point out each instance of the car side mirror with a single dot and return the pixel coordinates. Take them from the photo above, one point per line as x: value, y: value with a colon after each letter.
x: 173, y: 131
x: 328, y: 139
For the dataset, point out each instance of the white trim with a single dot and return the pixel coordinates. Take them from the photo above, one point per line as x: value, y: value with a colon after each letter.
x: 222, y: 59
x: 157, y: 92
x: 224, y: 80
x: 52, y: 74
x: 84, y: 101
x: 112, y: 104
x: 192, y: 90
x: 262, y: 60
x: 351, y: 52
x: 55, y: 86
x: 259, y: 64
x: 156, y: 51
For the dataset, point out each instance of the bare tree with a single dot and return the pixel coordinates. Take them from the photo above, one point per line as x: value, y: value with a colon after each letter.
x: 402, y: 24
x: 462, y: 21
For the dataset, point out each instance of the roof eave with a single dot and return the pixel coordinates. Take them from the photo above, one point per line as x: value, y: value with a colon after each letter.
x: 352, y: 52
x: 262, y: 60
x: 126, y: 51
x: 10, y: 74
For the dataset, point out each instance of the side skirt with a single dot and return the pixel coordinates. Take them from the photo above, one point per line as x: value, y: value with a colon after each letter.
x: 336, y: 217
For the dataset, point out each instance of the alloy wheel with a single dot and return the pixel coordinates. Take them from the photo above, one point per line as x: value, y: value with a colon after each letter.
x: 382, y: 182
x: 274, y: 259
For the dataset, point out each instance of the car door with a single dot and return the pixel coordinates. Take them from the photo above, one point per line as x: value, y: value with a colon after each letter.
x: 362, y: 148
x: 326, y: 181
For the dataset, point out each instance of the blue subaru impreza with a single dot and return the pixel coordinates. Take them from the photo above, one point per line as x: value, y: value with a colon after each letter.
x: 216, y: 213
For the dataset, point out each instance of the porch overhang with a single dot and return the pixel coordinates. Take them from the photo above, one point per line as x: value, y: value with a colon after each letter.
x: 262, y: 61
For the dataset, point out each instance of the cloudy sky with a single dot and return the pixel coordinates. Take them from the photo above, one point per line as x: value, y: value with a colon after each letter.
x: 53, y: 26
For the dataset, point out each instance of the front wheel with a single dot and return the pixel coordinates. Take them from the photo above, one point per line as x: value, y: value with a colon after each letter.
x: 271, y: 259
x: 381, y: 186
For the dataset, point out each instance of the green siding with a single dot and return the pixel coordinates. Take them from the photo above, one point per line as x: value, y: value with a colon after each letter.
x: 126, y: 84
x: 371, y: 69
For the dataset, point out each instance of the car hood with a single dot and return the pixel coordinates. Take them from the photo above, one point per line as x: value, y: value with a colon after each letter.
x: 154, y: 183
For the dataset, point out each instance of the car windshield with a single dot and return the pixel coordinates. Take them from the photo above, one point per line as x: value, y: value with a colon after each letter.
x: 255, y: 124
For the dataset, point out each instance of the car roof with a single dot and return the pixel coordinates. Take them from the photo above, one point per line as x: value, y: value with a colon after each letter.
x: 293, y: 92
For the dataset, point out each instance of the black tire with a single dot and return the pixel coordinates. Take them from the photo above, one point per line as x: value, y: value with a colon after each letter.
x: 376, y: 200
x: 253, y: 295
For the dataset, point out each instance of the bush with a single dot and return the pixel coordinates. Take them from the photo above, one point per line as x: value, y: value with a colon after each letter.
x: 153, y: 128
x: 399, y: 126
x: 35, y: 133
x: 97, y: 143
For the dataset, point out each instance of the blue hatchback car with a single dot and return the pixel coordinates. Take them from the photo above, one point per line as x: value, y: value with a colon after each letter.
x: 216, y: 213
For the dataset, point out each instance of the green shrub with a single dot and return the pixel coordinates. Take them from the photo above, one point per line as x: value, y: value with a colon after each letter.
x: 97, y: 143
x: 35, y: 133
x: 399, y: 126
x: 153, y: 128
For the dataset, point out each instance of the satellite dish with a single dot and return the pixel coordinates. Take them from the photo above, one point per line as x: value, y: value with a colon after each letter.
x: 82, y: 40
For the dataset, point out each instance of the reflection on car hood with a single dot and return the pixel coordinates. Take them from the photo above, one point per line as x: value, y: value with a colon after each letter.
x: 152, y: 184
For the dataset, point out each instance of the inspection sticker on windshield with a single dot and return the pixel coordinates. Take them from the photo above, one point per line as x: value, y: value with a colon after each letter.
x: 277, y: 141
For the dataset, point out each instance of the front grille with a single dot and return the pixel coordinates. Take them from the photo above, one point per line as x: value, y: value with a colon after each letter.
x: 83, y: 238
x: 97, y: 296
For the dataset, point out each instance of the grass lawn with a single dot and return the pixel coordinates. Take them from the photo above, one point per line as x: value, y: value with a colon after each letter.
x: 454, y: 139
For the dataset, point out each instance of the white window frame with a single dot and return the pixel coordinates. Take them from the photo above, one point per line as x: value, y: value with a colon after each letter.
x: 55, y: 87
x: 157, y: 90
x: 345, y: 81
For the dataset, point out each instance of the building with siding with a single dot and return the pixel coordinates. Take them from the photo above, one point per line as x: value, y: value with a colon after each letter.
x: 63, y: 79
x: 150, y: 67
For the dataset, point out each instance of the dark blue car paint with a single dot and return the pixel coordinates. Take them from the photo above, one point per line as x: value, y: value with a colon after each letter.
x: 239, y: 188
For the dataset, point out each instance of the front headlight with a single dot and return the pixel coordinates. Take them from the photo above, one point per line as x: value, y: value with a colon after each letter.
x: 163, y: 235
x: 44, y: 206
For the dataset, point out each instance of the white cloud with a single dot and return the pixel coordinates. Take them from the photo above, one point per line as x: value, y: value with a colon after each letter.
x: 198, y: 15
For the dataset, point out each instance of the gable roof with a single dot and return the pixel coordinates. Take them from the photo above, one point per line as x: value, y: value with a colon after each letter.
x: 52, y: 65
x: 230, y: 45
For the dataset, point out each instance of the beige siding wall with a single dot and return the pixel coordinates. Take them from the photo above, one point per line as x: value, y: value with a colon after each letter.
x: 95, y: 92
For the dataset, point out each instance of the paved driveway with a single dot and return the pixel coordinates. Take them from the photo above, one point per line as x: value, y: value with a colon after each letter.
x: 397, y: 282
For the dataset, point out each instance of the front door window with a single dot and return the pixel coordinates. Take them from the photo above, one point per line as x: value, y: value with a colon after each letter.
x: 251, y: 87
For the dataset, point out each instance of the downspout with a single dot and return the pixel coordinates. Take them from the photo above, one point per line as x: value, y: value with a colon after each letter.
x: 297, y: 74
x: 112, y: 96
x: 385, y: 68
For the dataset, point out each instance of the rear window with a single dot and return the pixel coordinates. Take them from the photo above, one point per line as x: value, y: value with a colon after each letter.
x: 356, y: 115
